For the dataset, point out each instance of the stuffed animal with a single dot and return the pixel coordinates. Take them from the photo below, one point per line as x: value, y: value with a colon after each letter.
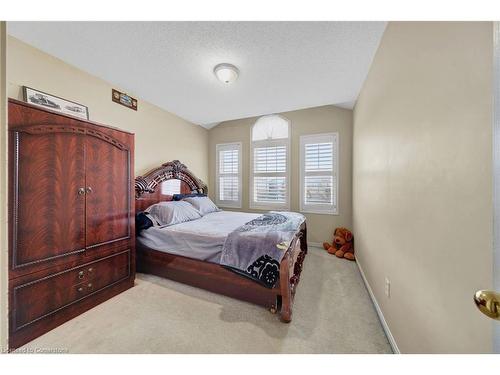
x: 343, y: 244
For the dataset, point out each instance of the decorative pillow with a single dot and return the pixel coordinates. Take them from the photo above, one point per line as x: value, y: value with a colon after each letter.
x: 170, y: 213
x: 179, y: 197
x: 142, y: 222
x: 203, y: 204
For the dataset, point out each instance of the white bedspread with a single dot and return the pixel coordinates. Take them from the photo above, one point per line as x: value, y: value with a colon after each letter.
x: 199, y: 239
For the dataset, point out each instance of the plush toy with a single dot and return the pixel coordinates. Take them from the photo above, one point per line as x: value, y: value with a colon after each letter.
x: 342, y: 246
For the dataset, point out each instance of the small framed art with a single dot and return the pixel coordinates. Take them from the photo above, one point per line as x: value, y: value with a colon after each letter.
x: 124, y: 99
x: 55, y: 103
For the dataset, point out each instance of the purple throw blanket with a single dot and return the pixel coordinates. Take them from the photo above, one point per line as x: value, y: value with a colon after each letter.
x: 252, y: 251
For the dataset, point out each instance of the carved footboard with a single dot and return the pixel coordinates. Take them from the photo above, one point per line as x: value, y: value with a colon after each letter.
x: 290, y: 270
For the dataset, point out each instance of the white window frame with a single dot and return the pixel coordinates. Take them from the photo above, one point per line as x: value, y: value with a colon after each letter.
x: 221, y: 147
x: 267, y: 143
x: 318, y: 208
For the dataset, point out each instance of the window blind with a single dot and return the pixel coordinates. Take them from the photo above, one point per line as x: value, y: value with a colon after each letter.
x: 270, y: 189
x: 269, y: 168
x: 319, y: 173
x: 269, y: 158
x: 171, y: 187
x: 228, y: 188
x: 228, y: 178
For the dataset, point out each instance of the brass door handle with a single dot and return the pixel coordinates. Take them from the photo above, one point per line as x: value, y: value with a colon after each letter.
x: 81, y: 191
x: 488, y: 302
x: 88, y: 189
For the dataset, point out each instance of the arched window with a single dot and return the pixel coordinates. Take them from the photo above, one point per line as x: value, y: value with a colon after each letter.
x: 270, y: 127
x: 269, y: 185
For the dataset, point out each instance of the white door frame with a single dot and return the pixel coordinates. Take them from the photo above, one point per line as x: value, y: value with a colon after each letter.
x: 3, y: 191
x: 496, y: 175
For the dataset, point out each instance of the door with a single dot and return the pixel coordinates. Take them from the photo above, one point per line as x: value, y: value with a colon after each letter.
x: 107, y: 185
x: 49, y: 200
x: 488, y: 302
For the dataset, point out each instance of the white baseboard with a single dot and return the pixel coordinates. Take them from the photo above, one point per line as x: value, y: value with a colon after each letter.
x: 314, y: 244
x: 387, y: 331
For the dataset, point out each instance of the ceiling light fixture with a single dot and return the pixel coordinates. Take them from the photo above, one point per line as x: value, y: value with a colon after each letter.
x: 226, y: 73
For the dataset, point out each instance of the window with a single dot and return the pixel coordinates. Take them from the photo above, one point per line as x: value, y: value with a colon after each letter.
x: 228, y: 175
x: 171, y: 187
x: 318, y: 173
x: 269, y: 163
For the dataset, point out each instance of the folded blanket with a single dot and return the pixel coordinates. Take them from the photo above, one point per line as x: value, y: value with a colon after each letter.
x: 252, y: 249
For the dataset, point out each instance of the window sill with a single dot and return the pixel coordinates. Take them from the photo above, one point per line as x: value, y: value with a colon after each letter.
x: 269, y: 208
x: 317, y: 212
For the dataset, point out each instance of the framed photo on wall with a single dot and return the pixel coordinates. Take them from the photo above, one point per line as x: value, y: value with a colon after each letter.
x: 124, y: 99
x: 55, y: 103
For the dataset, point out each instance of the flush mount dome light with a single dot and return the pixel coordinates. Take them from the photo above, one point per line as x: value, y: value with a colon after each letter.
x: 226, y: 73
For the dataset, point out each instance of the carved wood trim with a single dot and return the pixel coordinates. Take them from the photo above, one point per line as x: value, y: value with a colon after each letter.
x: 15, y: 210
x: 171, y: 170
x: 17, y: 288
x: 57, y: 129
x: 46, y: 129
x: 290, y: 270
x: 129, y: 216
x: 297, y: 267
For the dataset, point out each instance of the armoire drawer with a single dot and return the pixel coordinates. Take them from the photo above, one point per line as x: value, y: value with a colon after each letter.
x: 39, y: 298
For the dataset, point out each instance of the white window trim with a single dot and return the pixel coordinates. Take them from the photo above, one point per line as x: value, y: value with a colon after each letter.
x: 316, y: 209
x: 253, y: 144
x: 219, y: 147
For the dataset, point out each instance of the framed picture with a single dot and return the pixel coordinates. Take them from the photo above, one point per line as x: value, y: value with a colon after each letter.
x: 124, y: 99
x: 55, y: 103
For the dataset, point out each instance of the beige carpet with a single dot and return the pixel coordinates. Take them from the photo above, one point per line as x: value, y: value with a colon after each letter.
x: 332, y: 314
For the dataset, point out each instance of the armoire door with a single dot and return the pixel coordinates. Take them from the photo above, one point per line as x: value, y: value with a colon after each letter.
x: 48, y: 196
x: 107, y: 168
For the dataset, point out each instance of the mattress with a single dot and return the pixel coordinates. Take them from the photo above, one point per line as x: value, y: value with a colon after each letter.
x: 200, y: 239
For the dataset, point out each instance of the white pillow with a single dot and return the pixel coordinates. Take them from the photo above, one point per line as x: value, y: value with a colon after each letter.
x: 174, y: 212
x: 203, y: 204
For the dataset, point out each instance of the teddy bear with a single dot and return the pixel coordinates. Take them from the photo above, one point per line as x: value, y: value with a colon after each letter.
x: 342, y: 246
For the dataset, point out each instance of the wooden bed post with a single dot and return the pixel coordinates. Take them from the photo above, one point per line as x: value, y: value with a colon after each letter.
x: 290, y: 270
x: 285, y: 288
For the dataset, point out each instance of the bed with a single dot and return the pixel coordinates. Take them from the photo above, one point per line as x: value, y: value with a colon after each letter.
x: 190, y: 252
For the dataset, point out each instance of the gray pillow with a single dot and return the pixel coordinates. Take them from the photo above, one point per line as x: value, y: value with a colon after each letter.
x: 170, y: 213
x: 203, y: 204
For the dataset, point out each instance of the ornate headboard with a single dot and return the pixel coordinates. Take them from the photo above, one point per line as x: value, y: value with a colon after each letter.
x: 148, y: 188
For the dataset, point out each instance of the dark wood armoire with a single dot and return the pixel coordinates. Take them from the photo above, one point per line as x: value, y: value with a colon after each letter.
x: 71, y: 218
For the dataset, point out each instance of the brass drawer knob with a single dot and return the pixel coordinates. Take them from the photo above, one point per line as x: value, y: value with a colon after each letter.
x: 80, y: 289
x: 91, y: 269
x: 80, y: 275
x: 81, y: 191
x: 89, y: 285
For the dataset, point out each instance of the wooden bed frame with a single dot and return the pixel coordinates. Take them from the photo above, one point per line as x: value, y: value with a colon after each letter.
x: 211, y: 276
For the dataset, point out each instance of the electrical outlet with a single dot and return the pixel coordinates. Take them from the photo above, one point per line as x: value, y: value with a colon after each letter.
x: 387, y: 288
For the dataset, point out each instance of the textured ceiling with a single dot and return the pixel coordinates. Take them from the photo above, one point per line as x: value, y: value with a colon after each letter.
x: 283, y: 65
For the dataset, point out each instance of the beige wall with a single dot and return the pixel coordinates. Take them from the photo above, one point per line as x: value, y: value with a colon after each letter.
x: 422, y: 183
x: 3, y: 192
x: 307, y: 121
x: 159, y: 135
